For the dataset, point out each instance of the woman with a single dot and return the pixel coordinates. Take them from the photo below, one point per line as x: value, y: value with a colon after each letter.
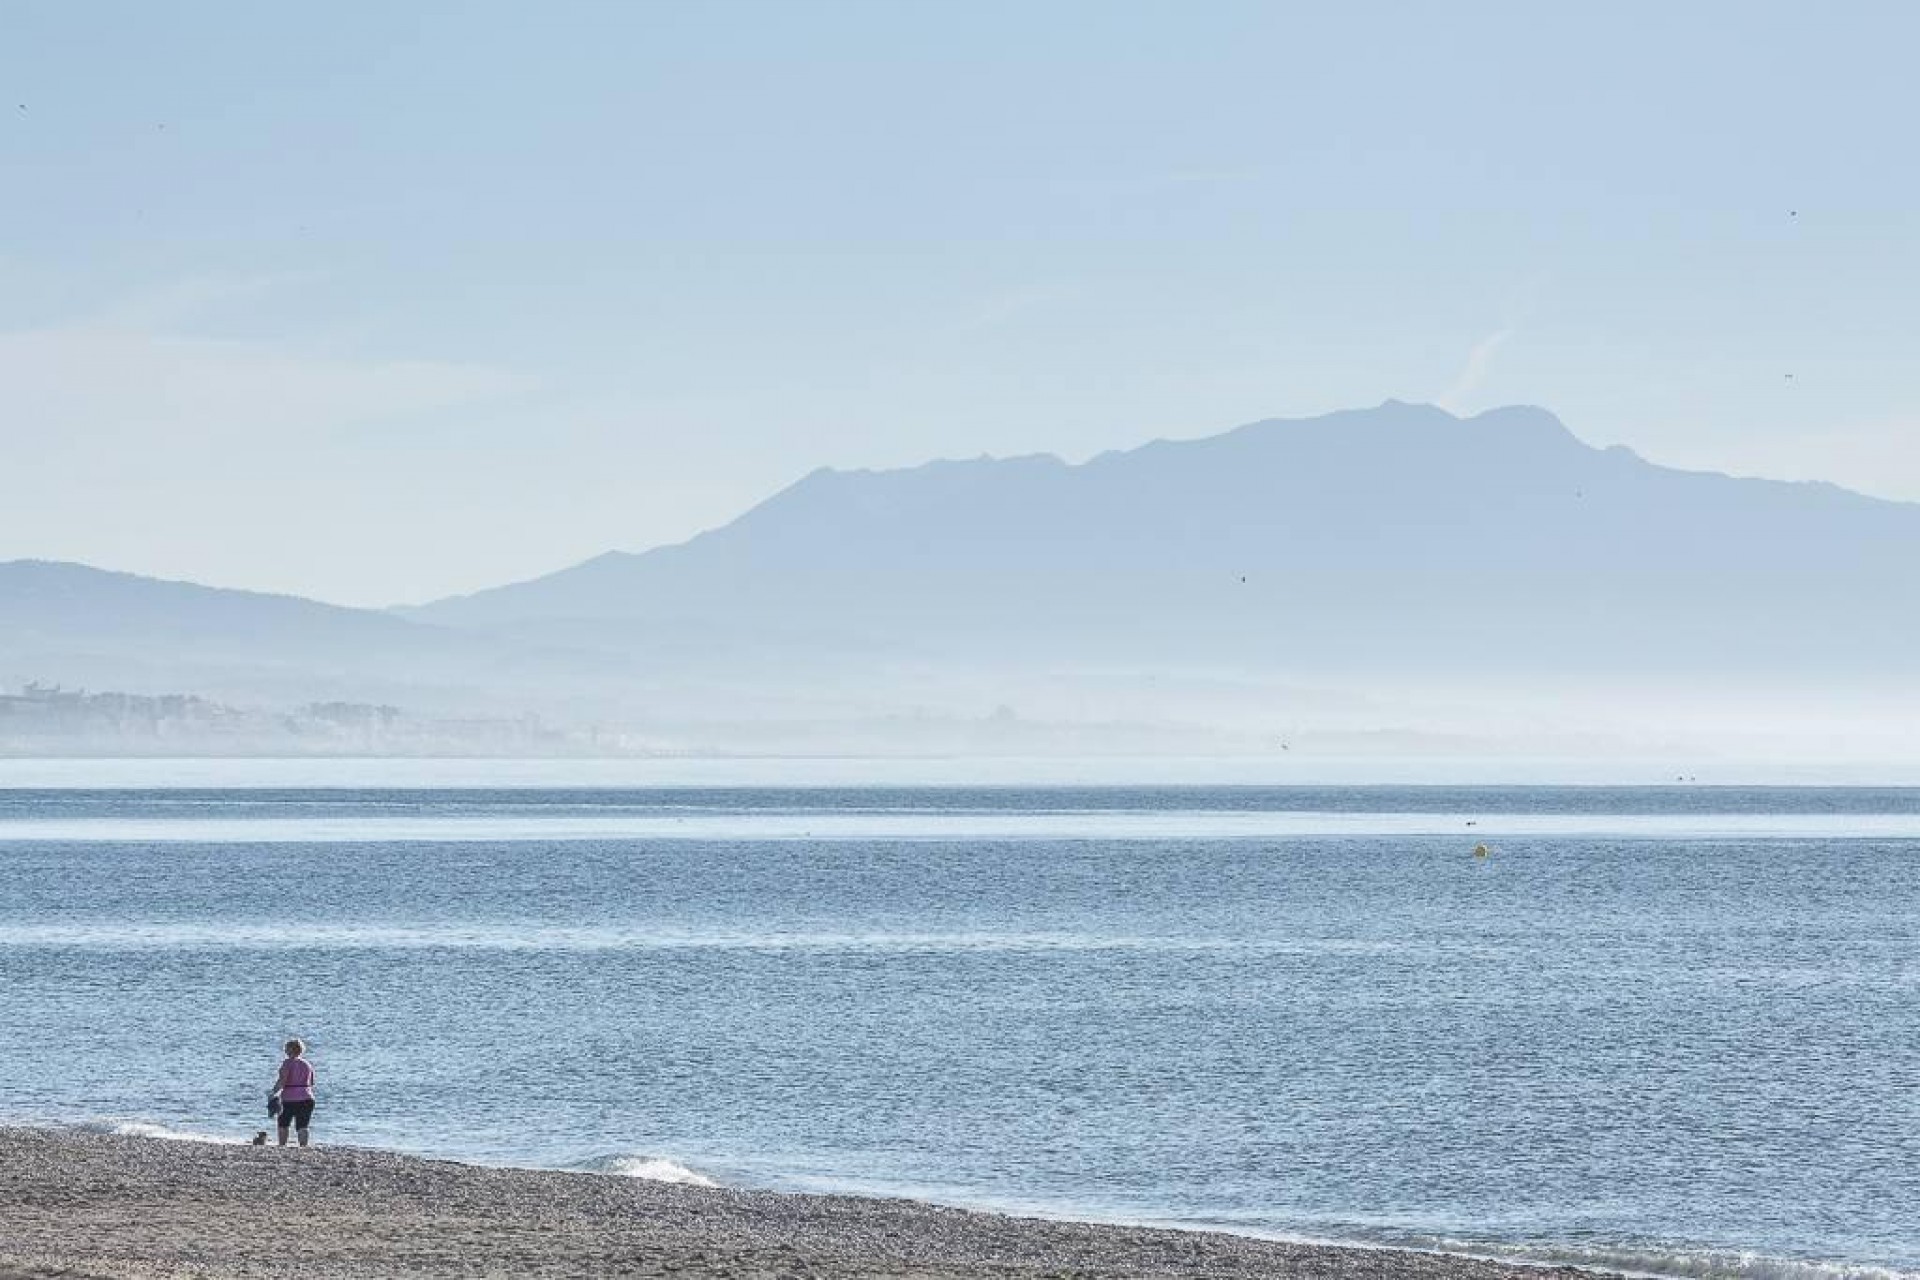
x: 295, y: 1089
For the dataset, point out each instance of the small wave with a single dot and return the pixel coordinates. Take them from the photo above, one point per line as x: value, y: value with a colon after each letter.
x: 650, y: 1168
x: 1691, y: 1263
x: 143, y: 1129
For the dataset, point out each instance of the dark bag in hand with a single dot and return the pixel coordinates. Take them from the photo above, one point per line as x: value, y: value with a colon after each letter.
x: 273, y: 1103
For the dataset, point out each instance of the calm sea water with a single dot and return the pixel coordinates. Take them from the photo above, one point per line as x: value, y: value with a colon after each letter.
x: 1675, y: 1027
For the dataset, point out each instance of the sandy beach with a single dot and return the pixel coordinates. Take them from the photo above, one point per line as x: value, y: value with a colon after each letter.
x: 83, y: 1204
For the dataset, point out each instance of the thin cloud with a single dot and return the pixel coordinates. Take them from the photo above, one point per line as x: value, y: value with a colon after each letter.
x: 180, y: 303
x: 88, y: 388
x: 991, y: 313
x: 1474, y: 371
x: 1195, y: 177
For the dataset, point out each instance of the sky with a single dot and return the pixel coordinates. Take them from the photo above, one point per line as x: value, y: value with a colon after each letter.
x: 377, y: 303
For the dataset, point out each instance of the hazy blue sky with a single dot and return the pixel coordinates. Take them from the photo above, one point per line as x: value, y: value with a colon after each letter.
x: 378, y: 302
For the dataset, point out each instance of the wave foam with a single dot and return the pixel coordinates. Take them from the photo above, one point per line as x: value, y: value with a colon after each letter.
x: 650, y: 1168
x: 1679, y: 1262
x: 143, y: 1129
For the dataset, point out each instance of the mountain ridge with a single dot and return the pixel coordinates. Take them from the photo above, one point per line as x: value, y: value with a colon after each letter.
x: 1362, y: 559
x: 1505, y: 497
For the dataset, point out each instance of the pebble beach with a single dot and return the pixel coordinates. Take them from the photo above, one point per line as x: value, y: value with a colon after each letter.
x: 84, y: 1204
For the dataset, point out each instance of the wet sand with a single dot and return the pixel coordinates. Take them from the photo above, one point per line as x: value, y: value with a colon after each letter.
x: 82, y: 1204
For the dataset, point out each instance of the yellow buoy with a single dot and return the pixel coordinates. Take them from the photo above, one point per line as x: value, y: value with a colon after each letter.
x: 1481, y: 851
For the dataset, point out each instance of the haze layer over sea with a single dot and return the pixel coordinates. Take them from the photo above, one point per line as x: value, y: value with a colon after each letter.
x: 1668, y: 1027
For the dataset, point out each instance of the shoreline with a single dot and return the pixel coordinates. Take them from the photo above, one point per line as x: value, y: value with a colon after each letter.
x: 80, y: 1204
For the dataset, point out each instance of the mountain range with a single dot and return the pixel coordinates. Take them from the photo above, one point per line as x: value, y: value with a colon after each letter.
x: 1398, y: 548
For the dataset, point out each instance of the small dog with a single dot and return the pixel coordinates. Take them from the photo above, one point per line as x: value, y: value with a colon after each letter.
x: 260, y: 1138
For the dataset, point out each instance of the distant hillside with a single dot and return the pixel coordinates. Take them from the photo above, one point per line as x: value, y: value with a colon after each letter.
x: 81, y: 625
x: 57, y: 603
x: 1395, y: 540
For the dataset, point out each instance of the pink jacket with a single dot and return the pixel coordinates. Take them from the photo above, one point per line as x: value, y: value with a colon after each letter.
x: 296, y: 1080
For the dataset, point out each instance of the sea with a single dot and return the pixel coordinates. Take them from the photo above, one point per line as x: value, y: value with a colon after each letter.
x: 1669, y: 1027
